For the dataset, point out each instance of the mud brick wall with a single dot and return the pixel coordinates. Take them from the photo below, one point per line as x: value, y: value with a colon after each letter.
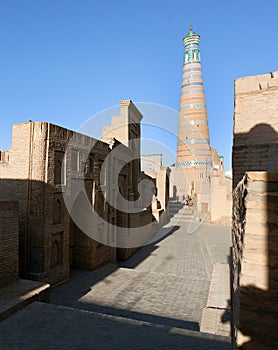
x: 255, y: 145
x: 8, y: 242
x: 33, y: 173
x: 255, y: 261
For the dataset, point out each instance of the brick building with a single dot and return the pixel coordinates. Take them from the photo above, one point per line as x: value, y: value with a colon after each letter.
x: 255, y: 145
x: 254, y: 233
x: 160, y: 175
x: 221, y: 188
x: 36, y: 173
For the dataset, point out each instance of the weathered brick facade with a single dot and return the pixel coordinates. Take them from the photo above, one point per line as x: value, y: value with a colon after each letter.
x: 33, y: 177
x: 255, y: 145
x: 255, y: 249
x: 35, y: 172
x: 255, y: 252
x: 8, y: 242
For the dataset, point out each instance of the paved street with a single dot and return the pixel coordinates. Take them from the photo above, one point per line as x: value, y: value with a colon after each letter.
x: 154, y: 300
x: 44, y: 326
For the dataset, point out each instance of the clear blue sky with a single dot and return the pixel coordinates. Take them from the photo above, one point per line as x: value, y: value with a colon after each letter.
x: 63, y: 61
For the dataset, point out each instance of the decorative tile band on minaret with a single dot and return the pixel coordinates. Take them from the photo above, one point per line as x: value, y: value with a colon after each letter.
x: 193, y: 149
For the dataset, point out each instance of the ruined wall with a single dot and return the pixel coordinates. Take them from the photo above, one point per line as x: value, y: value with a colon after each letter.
x: 8, y: 242
x: 255, y: 254
x: 255, y: 145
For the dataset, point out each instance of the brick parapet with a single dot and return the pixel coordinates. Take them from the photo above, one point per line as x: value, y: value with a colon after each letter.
x: 256, y: 83
x: 255, y: 144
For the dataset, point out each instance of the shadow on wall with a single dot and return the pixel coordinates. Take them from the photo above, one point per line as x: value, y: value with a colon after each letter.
x: 43, y: 228
x: 49, y: 242
x: 256, y: 308
x: 259, y: 311
x: 256, y: 150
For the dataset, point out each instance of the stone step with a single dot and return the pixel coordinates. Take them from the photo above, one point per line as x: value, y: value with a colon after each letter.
x: 21, y: 293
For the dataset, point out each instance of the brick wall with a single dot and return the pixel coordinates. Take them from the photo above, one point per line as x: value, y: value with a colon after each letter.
x: 221, y: 204
x: 31, y: 173
x: 255, y: 150
x: 255, y: 145
x: 141, y: 224
x: 255, y: 254
x: 8, y: 242
x: 28, y: 176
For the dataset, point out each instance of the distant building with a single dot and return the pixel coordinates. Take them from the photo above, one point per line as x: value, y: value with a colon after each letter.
x: 151, y: 165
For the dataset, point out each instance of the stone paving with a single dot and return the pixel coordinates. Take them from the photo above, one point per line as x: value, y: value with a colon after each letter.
x: 216, y: 316
x: 169, y: 279
x: 44, y: 326
x: 153, y: 301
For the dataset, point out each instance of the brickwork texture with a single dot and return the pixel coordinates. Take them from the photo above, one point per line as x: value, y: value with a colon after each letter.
x: 34, y: 172
x: 254, y: 233
x: 255, y: 145
x: 255, y: 253
x: 8, y: 242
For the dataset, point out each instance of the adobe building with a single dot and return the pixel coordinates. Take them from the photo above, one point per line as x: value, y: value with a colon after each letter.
x: 197, y: 171
x: 33, y: 173
x: 135, y: 219
x: 36, y: 173
x: 151, y: 166
x: 255, y: 217
x: 221, y: 190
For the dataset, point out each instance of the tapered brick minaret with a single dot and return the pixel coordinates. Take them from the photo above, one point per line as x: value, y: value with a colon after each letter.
x: 198, y: 171
x: 193, y: 149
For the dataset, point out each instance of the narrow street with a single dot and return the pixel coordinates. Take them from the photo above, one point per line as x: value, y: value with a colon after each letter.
x: 155, y: 300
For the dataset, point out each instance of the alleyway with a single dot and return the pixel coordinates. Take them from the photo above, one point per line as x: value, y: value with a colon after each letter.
x: 155, y: 300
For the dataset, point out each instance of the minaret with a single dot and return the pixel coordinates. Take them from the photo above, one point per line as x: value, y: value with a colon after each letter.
x: 193, y: 149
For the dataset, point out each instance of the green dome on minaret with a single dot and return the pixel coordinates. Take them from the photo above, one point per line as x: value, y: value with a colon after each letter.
x: 191, y: 47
